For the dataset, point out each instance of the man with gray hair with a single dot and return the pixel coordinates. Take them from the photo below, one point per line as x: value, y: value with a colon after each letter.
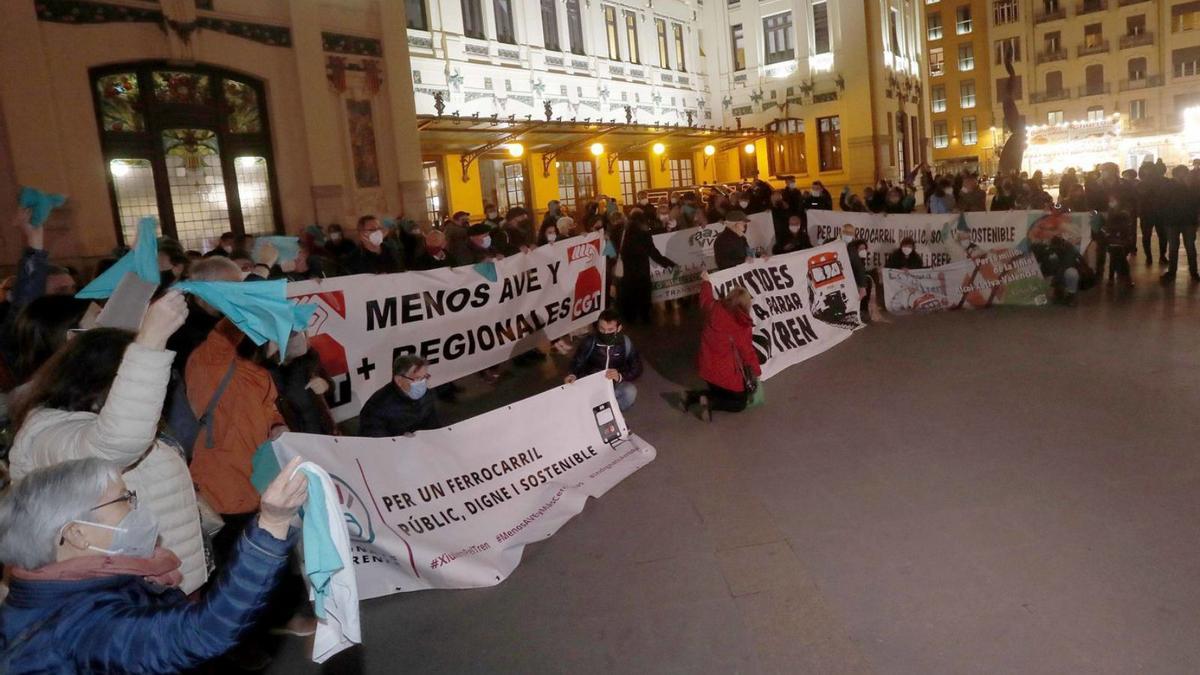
x: 93, y: 592
x: 403, y: 405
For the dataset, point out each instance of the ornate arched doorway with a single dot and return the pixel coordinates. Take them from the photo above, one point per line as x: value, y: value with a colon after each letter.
x: 188, y: 144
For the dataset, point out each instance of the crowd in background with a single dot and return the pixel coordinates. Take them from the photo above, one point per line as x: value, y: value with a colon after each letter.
x: 88, y: 411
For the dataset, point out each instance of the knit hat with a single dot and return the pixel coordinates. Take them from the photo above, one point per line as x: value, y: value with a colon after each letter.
x: 479, y: 229
x: 735, y: 217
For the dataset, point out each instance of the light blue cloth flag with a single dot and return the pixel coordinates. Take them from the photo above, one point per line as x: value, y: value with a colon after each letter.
x: 610, y: 251
x: 40, y: 204
x: 259, y: 308
x: 389, y: 224
x: 142, y: 261
x: 264, y: 467
x: 321, y: 558
x: 288, y: 247
x: 487, y: 269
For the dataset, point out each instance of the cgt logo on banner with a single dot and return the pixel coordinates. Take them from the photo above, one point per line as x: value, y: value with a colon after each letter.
x: 692, y: 251
x: 457, y: 319
x: 455, y: 507
x: 804, y: 303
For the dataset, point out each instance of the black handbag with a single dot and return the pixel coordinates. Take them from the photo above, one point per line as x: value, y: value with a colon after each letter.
x: 749, y: 381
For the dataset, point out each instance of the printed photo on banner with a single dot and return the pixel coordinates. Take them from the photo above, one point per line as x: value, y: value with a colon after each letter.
x: 943, y: 238
x: 804, y: 303
x: 1007, y: 277
x: 692, y: 249
x: 461, y: 320
x: 455, y: 507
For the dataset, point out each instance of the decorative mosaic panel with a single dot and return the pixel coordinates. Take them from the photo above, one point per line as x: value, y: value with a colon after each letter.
x: 178, y: 87
x: 83, y: 11
x: 352, y: 45
x: 241, y: 104
x: 120, y: 103
x: 362, y: 143
x: 275, y: 36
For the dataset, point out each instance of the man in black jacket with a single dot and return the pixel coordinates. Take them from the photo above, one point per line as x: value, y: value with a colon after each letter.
x: 1179, y: 206
x: 818, y: 199
x: 372, y: 255
x: 731, y: 248
x: 403, y: 405
x: 610, y: 351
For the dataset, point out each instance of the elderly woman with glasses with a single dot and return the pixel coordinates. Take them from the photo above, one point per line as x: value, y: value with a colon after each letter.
x: 92, y: 591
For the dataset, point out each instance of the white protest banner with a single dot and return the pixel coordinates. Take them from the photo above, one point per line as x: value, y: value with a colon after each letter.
x: 462, y: 319
x: 454, y: 507
x: 692, y: 250
x: 1007, y: 277
x: 804, y: 303
x: 936, y: 238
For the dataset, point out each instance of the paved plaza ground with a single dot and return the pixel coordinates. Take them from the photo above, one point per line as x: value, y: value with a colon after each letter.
x: 1006, y: 491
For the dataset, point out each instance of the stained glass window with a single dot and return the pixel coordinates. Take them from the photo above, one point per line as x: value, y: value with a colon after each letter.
x: 241, y: 102
x: 193, y: 160
x: 120, y: 102
x: 173, y: 86
x: 133, y: 182
x: 254, y: 191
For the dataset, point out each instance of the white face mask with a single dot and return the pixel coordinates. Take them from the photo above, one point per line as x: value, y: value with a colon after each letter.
x: 947, y: 191
x: 487, y: 242
x: 670, y: 223
x: 862, y: 253
x: 376, y: 237
x: 847, y: 238
x: 817, y: 191
x: 492, y: 215
x: 793, y: 228
x: 135, y: 536
x: 335, y: 237
x: 228, y: 248
x: 645, y: 201
x: 791, y: 185
x: 743, y: 203
x: 551, y: 236
x: 906, y: 250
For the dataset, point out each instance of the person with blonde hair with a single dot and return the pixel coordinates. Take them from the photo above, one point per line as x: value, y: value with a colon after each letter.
x: 727, y: 362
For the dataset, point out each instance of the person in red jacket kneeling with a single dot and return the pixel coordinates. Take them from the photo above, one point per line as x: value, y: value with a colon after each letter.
x: 726, y: 351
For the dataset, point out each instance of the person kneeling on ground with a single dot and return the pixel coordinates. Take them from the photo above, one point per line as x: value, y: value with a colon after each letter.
x: 403, y: 405
x: 727, y: 358
x: 905, y: 257
x: 610, y: 351
x: 92, y: 592
x: 1064, y: 267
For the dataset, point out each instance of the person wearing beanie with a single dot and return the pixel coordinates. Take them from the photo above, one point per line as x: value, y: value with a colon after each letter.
x: 731, y: 247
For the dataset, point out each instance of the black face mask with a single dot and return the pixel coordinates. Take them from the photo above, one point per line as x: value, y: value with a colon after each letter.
x: 166, y: 278
x: 608, y: 338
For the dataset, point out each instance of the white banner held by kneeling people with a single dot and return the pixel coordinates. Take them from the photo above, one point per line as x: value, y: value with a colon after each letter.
x: 454, y: 507
x: 804, y: 303
x: 460, y: 319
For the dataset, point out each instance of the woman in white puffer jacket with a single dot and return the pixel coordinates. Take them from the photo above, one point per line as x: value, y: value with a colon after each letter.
x: 102, y: 396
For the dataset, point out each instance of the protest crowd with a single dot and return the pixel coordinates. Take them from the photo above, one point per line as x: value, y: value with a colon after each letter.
x: 130, y: 453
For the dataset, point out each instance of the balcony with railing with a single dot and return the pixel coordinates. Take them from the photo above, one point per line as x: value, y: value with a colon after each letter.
x: 1097, y: 47
x: 1048, y: 96
x: 1054, y: 15
x: 1125, y: 3
x: 1140, y: 83
x: 1089, y: 6
x: 1137, y: 40
x: 1095, y: 89
x: 1051, y: 55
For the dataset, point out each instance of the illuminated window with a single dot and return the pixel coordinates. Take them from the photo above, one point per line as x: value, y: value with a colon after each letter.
x: 1137, y: 69
x: 970, y: 133
x: 966, y: 94
x: 1054, y: 117
x: 1185, y: 62
x: 1185, y: 16
x: 941, y: 134
x: 1137, y: 109
x: 785, y: 138
x: 635, y: 177
x: 681, y: 172
x: 631, y: 38
x: 933, y: 26
x: 1005, y: 11
x: 962, y: 24
x: 829, y: 143
x: 1095, y: 114
x: 576, y: 182
x: 1010, y: 47
x: 777, y: 38
x: 435, y: 202
x: 937, y: 98
x: 188, y: 145
x: 937, y: 62
x: 664, y: 55
x: 1093, y: 35
x: 610, y: 30
x: 966, y: 57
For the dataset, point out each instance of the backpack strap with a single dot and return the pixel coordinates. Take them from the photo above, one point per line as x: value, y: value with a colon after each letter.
x: 206, y: 418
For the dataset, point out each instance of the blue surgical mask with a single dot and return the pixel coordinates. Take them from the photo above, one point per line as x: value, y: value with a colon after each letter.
x: 417, y: 389
x: 135, y: 536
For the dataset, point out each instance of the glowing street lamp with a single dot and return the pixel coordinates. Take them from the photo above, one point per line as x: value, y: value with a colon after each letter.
x: 516, y: 149
x: 658, y: 148
x: 597, y: 149
x: 710, y: 150
x: 749, y: 148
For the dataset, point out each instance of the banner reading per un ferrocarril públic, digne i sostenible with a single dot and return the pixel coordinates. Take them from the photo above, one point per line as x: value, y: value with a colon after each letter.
x: 804, y: 303
x: 454, y: 507
x: 462, y: 319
